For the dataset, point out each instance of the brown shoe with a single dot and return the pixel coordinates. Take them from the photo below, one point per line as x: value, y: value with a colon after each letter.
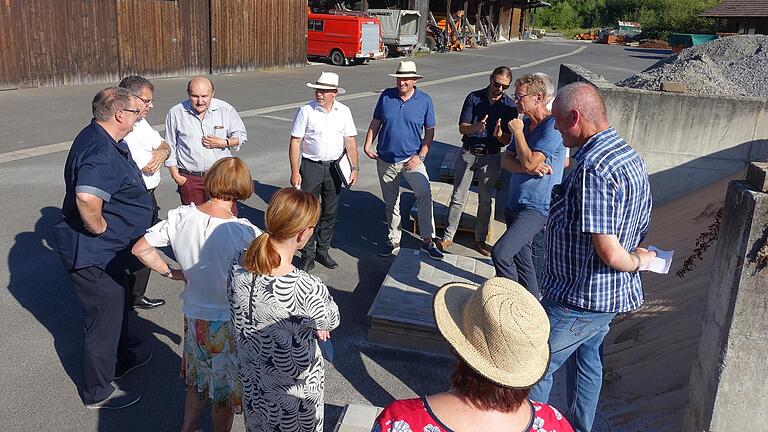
x: 483, y: 248
x: 443, y: 244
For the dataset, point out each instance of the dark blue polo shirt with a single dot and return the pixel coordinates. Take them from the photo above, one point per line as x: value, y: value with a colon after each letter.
x: 476, y: 106
x: 100, y: 166
x: 402, y: 124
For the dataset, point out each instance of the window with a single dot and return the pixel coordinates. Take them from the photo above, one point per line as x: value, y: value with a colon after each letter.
x: 316, y: 24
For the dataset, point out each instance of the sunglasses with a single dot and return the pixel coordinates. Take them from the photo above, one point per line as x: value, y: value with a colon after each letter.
x: 500, y: 85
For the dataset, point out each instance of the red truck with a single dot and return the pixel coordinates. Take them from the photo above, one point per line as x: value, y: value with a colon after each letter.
x: 344, y: 37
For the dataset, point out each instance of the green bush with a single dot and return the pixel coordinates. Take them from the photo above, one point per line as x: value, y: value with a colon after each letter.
x: 657, y: 17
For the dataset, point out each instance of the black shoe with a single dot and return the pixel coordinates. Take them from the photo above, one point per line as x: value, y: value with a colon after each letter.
x: 327, y: 261
x: 148, y: 303
x: 431, y: 249
x: 307, y: 264
x: 123, y: 371
x: 389, y: 249
x: 117, y: 400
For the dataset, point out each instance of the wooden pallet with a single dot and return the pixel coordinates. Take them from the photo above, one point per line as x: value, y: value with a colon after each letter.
x: 401, y: 314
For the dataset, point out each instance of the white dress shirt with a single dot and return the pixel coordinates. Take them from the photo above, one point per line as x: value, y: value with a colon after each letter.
x: 323, y: 132
x: 204, y: 247
x: 141, y: 141
x: 184, y: 132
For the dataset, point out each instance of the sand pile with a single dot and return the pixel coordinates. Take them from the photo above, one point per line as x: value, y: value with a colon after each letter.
x: 649, y: 352
x: 731, y: 66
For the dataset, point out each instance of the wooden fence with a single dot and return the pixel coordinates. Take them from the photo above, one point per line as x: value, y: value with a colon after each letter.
x: 62, y: 42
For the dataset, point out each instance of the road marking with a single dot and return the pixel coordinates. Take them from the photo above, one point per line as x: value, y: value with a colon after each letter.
x: 64, y: 146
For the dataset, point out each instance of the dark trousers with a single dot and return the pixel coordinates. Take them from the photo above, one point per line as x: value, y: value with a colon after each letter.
x: 139, y: 279
x: 193, y: 191
x: 512, y: 255
x: 106, y: 315
x: 322, y: 180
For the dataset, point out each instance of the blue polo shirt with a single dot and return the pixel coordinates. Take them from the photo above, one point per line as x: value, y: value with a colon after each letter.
x: 476, y: 107
x: 101, y: 166
x: 530, y: 191
x: 402, y: 123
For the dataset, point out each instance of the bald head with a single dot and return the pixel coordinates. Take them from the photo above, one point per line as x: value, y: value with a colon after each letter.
x: 200, y: 91
x: 579, y: 112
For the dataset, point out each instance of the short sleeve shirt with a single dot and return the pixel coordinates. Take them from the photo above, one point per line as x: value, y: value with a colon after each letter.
x: 323, y: 132
x: 417, y: 416
x: 100, y: 166
x: 476, y: 107
x: 142, y: 141
x: 606, y: 192
x: 533, y: 192
x: 204, y: 247
x: 402, y: 123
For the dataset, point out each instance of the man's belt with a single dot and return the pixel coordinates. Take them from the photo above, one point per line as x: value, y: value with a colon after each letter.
x: 192, y: 173
x: 479, y: 151
x: 318, y: 162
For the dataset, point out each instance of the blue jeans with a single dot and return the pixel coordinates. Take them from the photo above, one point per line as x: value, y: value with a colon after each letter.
x: 512, y: 254
x: 581, y: 331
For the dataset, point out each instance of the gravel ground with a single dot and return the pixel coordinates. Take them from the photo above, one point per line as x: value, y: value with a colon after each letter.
x: 734, y: 66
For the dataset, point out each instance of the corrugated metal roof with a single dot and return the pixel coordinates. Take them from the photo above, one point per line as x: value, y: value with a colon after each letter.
x: 738, y: 8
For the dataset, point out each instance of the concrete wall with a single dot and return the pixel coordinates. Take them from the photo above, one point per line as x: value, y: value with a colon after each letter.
x: 687, y: 141
x: 727, y: 389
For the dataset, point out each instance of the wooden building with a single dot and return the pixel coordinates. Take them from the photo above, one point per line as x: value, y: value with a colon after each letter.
x: 740, y: 16
x: 62, y: 42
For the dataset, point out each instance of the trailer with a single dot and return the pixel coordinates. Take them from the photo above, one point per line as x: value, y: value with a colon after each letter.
x: 399, y: 29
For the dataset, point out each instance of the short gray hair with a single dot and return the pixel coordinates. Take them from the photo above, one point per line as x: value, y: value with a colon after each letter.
x: 109, y: 101
x: 136, y: 83
x: 549, y: 84
x: 584, y: 98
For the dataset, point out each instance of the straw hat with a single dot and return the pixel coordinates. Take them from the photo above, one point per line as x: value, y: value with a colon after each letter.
x: 327, y: 81
x: 407, y: 69
x: 499, y: 329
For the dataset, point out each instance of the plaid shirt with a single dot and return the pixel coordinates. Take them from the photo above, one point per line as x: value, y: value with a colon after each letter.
x: 607, y: 192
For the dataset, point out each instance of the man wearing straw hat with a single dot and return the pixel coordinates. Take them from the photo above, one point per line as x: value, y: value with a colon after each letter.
x: 401, y: 115
x: 598, y: 217
x: 322, y: 131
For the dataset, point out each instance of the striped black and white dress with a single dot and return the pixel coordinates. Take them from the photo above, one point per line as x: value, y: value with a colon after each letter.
x: 279, y: 361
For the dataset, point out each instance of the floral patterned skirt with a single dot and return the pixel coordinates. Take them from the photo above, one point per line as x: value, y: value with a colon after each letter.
x: 209, y: 364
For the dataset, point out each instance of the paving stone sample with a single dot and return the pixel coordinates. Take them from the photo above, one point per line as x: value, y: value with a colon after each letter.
x: 357, y: 418
x: 441, y: 200
x: 401, y: 314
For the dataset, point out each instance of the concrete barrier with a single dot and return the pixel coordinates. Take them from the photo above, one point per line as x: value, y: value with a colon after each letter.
x: 729, y: 375
x: 686, y: 140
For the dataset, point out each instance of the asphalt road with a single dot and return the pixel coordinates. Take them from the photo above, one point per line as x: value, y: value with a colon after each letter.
x: 41, y: 344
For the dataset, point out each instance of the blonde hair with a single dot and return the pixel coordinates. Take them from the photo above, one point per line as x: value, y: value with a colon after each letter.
x: 534, y: 84
x: 289, y: 212
x: 229, y: 179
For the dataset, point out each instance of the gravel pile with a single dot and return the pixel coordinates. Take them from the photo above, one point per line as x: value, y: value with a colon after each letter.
x: 731, y: 66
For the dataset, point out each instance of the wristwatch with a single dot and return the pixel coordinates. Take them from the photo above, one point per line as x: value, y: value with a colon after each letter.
x: 355, y: 168
x: 422, y: 157
x: 227, y: 139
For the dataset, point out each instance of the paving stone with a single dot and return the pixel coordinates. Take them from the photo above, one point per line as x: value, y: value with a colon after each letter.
x: 401, y: 314
x: 441, y: 200
x: 357, y: 418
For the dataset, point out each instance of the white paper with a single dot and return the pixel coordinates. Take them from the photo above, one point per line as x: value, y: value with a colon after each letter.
x: 660, y: 263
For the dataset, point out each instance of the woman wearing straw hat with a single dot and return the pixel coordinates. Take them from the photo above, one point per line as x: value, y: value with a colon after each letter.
x: 498, y: 333
x: 279, y: 313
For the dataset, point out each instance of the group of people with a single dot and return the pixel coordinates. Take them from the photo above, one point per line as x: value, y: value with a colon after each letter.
x: 254, y: 323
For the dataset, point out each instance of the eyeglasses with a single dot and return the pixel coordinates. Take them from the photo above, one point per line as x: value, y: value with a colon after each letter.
x: 520, y: 97
x: 135, y: 110
x: 500, y: 85
x: 147, y: 102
